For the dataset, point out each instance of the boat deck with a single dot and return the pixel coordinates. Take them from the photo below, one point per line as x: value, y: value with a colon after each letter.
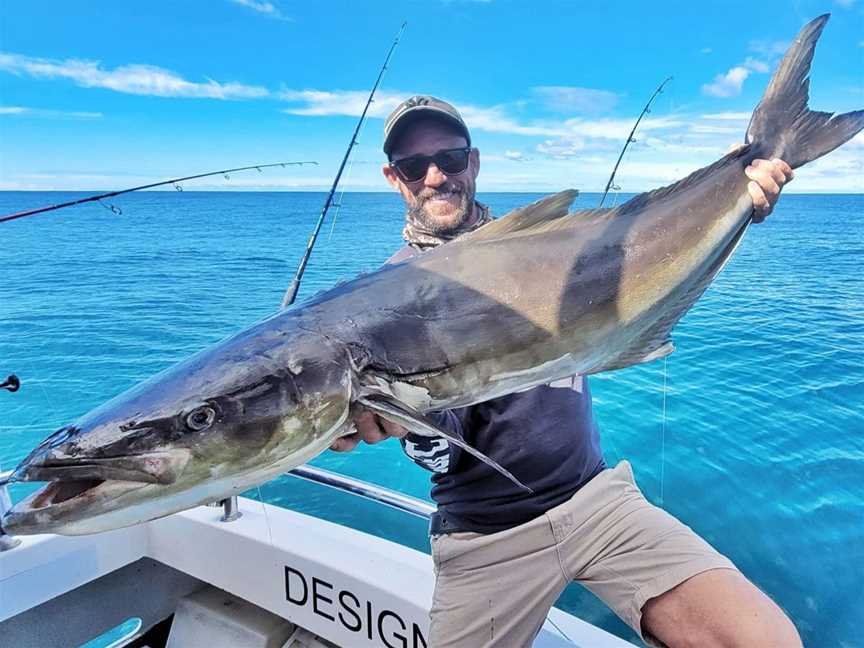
x: 347, y: 587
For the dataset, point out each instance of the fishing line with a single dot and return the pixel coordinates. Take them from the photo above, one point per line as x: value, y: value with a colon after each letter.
x: 611, y: 438
x: 51, y: 408
x: 663, y: 433
x: 269, y: 527
x: 291, y: 292
x: 560, y: 631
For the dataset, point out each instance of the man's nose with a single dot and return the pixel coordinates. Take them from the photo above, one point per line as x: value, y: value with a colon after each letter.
x: 434, y: 176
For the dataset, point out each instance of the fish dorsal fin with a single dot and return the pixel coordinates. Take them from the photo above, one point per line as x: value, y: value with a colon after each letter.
x: 413, y: 421
x: 545, y: 210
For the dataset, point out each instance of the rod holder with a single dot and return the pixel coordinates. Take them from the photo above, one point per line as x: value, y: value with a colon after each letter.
x: 230, y: 509
x: 12, y: 383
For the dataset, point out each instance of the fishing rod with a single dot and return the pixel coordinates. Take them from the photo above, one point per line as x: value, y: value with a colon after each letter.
x: 630, y: 138
x: 291, y: 293
x: 174, y: 181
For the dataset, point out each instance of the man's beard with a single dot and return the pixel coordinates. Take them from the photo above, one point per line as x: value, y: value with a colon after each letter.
x: 421, y: 220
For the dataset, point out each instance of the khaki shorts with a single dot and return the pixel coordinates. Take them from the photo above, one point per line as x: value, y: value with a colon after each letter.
x: 495, y: 589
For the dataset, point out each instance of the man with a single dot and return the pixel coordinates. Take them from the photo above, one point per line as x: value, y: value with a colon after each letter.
x: 501, y: 556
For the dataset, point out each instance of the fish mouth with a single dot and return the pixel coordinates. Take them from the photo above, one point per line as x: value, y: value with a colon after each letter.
x: 152, y: 468
x: 81, y: 487
x: 65, y: 501
x: 61, y: 491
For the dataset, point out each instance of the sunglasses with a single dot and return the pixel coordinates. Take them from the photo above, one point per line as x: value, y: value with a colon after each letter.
x: 449, y: 161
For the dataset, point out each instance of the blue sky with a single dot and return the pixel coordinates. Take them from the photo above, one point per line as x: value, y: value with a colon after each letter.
x: 102, y: 95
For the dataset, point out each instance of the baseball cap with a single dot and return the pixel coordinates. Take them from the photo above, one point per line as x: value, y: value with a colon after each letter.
x: 417, y: 107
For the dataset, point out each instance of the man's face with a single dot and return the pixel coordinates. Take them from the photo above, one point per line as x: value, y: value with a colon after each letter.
x: 441, y: 203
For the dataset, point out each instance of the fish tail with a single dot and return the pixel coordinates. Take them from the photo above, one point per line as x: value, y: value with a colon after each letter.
x: 783, y: 126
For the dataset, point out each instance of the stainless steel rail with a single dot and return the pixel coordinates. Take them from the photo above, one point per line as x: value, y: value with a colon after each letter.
x: 369, y: 491
x: 6, y: 542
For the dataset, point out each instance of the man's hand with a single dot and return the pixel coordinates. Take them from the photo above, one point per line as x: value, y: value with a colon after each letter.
x: 371, y: 429
x: 768, y: 178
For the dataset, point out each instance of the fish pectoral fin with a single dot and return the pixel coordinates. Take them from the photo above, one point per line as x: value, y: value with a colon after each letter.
x: 413, y: 421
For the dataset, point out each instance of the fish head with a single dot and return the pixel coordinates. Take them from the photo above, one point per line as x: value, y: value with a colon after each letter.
x: 222, y: 421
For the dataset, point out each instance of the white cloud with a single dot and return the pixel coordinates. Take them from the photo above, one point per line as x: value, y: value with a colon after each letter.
x: 677, y: 144
x: 562, y: 148
x: 261, y: 6
x: 516, y: 156
x: 618, y: 129
x: 728, y: 84
x: 48, y: 113
x: 727, y: 116
x: 846, y: 4
x: 322, y: 103
x: 706, y: 50
x: 767, y: 47
x: 581, y: 135
x: 495, y: 120
x: 571, y: 98
x: 718, y: 130
x: 756, y: 65
x: 130, y: 79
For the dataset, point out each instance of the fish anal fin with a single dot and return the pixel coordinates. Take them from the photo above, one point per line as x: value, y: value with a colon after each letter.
x: 413, y: 421
x: 646, y: 351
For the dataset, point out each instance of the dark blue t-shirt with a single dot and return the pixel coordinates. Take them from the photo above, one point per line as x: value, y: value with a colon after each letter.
x: 545, y: 436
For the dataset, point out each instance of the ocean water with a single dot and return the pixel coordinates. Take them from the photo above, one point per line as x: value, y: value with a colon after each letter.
x: 759, y: 447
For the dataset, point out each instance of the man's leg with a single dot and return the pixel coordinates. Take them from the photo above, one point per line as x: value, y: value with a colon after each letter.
x: 658, y: 575
x: 494, y: 590
x: 717, y: 608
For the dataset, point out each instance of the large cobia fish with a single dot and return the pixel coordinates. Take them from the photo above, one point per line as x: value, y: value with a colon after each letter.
x: 538, y: 295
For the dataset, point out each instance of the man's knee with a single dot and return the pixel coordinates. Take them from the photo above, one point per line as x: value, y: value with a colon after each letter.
x: 718, y: 607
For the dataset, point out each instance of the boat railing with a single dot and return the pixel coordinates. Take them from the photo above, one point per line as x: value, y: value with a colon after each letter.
x: 230, y: 506
x: 6, y: 542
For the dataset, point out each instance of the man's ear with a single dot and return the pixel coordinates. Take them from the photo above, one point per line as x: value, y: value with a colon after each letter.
x: 392, y: 176
x: 475, y: 161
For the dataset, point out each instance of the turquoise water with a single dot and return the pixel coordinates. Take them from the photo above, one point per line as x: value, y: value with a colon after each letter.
x: 763, y: 450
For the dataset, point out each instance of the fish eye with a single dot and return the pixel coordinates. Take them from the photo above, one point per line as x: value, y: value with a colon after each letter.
x: 200, y: 418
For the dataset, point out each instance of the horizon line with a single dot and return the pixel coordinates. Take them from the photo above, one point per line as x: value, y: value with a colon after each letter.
x: 385, y: 191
